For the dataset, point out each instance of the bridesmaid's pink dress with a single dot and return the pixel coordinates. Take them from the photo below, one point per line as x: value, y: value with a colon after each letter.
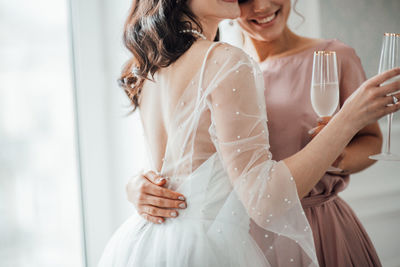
x: 340, y: 239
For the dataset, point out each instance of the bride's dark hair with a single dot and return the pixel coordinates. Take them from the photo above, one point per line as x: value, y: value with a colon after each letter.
x: 154, y: 35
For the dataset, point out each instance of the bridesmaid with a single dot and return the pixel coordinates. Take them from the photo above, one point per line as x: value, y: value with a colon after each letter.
x: 286, y: 61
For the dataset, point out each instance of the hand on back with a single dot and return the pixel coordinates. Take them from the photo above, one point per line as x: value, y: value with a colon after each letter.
x: 151, y: 200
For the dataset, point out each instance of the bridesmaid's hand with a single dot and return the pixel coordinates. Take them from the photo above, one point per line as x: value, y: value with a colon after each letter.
x: 152, y: 201
x: 322, y: 122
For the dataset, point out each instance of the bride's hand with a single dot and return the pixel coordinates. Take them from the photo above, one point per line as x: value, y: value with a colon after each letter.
x: 372, y: 100
x: 151, y: 200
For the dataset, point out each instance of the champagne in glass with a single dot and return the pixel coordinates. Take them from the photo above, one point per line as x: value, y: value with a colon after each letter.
x: 325, y: 98
x: 324, y: 83
x: 390, y: 58
x: 325, y: 86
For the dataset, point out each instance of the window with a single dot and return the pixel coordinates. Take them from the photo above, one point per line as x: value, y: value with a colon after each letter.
x: 40, y: 221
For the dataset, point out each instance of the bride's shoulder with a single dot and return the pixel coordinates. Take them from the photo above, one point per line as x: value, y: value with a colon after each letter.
x: 223, y: 52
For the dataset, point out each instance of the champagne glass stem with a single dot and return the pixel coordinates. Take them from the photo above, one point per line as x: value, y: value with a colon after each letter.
x: 389, y: 132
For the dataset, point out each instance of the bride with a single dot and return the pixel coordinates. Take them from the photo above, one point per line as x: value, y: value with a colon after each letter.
x: 202, y: 109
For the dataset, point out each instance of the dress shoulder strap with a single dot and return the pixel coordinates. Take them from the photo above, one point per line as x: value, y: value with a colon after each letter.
x: 204, y: 64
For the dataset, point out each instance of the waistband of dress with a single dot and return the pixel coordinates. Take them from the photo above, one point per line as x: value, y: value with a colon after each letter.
x: 318, y: 200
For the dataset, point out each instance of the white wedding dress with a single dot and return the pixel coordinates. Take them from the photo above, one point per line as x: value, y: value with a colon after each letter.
x: 243, y: 208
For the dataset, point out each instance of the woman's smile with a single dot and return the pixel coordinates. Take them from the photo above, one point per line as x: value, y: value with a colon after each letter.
x: 266, y: 20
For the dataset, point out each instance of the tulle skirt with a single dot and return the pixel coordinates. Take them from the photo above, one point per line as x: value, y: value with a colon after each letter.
x: 181, y: 243
x: 212, y: 231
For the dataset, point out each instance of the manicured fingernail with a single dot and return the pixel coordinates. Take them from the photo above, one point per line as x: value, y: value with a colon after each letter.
x: 159, y: 180
x: 181, y: 198
x: 160, y: 221
x: 311, y: 131
x: 174, y: 214
x: 182, y: 205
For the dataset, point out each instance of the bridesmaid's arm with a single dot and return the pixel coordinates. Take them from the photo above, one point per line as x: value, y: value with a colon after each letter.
x: 366, y: 143
x: 354, y: 157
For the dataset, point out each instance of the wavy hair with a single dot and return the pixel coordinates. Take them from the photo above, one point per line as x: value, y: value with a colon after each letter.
x: 154, y: 34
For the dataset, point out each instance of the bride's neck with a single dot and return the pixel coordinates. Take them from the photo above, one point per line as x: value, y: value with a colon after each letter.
x: 209, y: 27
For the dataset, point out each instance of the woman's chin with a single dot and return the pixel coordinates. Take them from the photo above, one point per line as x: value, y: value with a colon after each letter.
x: 264, y: 34
x: 231, y: 9
x: 233, y: 16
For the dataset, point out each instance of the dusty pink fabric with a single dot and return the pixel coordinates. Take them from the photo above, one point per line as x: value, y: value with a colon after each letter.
x: 339, y: 237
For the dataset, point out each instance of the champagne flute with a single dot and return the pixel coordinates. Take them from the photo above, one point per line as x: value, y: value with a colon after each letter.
x: 325, y: 86
x: 390, y: 58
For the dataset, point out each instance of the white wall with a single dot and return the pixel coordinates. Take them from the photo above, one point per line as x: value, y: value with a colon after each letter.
x: 307, y: 26
x: 361, y: 24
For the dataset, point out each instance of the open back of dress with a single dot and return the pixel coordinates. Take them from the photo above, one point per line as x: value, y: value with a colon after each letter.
x: 209, y: 137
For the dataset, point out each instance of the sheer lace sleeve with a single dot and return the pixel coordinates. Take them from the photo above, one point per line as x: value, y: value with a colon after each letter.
x: 234, y: 91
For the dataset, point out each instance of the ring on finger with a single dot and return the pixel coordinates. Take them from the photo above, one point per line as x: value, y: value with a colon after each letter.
x: 395, y: 100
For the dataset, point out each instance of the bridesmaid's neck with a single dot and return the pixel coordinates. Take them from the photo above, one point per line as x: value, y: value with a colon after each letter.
x: 285, y: 44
